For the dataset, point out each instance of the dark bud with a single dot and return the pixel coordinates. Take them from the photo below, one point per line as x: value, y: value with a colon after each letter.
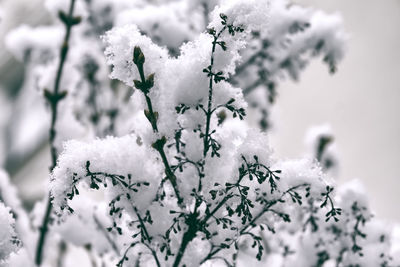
x: 224, y: 18
x: 155, y: 115
x: 147, y: 114
x: 230, y: 101
x: 63, y: 17
x: 138, y: 84
x: 138, y: 56
x: 141, y: 59
x: 211, y: 31
x: 159, y: 144
x: 54, y: 98
x: 75, y: 20
x: 93, y: 185
x: 150, y: 81
x: 136, y: 52
x: 67, y: 20
x: 221, y: 117
x: 48, y: 95
x: 62, y: 95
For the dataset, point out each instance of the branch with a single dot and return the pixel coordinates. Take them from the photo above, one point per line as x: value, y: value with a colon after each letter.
x: 147, y: 237
x: 53, y: 99
x: 244, y: 229
x: 101, y: 227
x: 144, y: 86
x: 210, y: 87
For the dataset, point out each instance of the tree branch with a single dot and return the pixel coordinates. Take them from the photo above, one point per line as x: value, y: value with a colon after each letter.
x: 53, y: 99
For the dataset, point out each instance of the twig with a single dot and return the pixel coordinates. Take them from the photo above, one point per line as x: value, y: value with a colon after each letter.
x: 259, y: 215
x: 210, y: 91
x: 145, y: 85
x: 101, y: 227
x: 54, y: 98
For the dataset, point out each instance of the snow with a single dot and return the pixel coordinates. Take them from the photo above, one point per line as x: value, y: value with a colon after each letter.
x: 177, y: 52
x: 26, y: 41
x: 120, y: 156
x: 8, y: 241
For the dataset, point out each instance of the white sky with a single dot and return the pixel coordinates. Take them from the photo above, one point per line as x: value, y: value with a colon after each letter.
x: 361, y: 101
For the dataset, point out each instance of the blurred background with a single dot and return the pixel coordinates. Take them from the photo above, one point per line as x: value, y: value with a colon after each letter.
x: 360, y: 102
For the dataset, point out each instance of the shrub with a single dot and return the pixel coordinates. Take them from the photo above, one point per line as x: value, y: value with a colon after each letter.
x: 180, y: 176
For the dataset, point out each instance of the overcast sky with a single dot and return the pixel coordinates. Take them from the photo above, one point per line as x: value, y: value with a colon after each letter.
x: 361, y: 101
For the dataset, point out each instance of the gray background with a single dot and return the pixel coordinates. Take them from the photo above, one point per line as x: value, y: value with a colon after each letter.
x: 360, y: 102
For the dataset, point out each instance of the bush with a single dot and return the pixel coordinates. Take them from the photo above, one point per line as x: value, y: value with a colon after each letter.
x: 180, y: 176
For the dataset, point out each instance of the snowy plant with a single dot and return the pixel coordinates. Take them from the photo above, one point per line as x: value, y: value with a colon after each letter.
x: 16, y: 233
x: 293, y: 36
x: 195, y: 187
x: 154, y: 160
x: 9, y: 241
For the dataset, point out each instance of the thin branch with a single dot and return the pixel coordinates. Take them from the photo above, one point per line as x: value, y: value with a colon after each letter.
x: 124, y: 257
x: 210, y: 91
x: 101, y: 227
x: 147, y: 237
x: 145, y: 85
x: 253, y: 221
x: 252, y: 86
x: 54, y: 98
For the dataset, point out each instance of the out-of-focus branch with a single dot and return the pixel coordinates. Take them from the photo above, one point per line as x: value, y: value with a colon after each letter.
x: 54, y: 98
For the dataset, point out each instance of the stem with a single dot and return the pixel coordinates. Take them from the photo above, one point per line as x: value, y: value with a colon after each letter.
x: 54, y: 105
x: 210, y: 93
x: 121, y: 262
x: 248, y: 62
x: 252, y: 222
x: 153, y: 252
x: 187, y: 237
x: 206, y: 12
x: 147, y: 236
x: 184, y: 243
x: 153, y: 121
x: 252, y: 86
x: 195, y: 224
x: 62, y: 247
x: 220, y: 204
x: 101, y: 228
x: 90, y: 255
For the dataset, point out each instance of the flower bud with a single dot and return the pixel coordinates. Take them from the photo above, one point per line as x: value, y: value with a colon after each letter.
x: 138, y: 56
x: 150, y: 81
